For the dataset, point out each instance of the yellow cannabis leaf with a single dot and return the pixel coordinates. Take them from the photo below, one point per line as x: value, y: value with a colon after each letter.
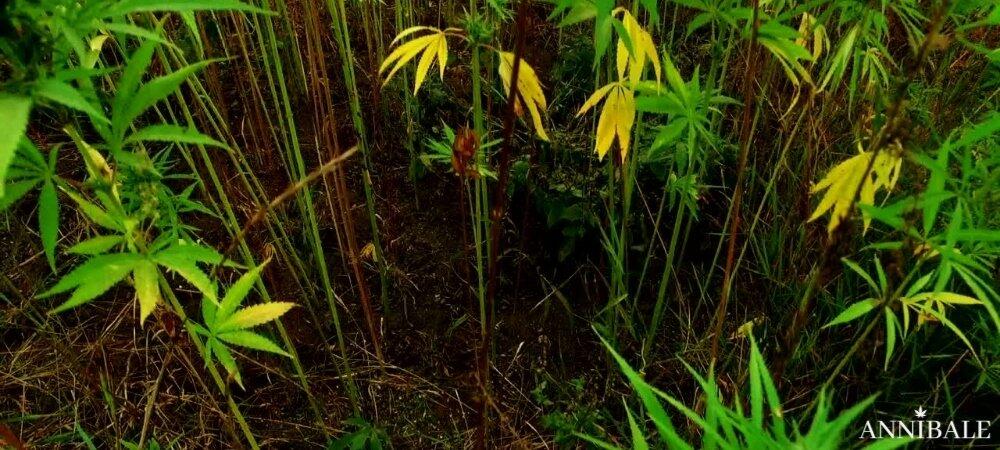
x: 429, y: 46
x: 643, y: 49
x: 930, y: 306
x: 842, y: 182
x: 812, y: 35
x: 616, y: 119
x: 89, y: 60
x: 252, y: 316
x: 147, y: 288
x: 529, y: 91
x: 368, y: 252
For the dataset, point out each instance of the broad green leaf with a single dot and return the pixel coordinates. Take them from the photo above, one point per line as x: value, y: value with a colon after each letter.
x: 889, y: 444
x: 145, y: 34
x: 980, y: 131
x: 14, y: 112
x: 977, y: 235
x: 580, y: 12
x: 32, y: 157
x: 252, y: 316
x: 192, y: 25
x: 128, y: 83
x: 770, y: 390
x: 841, y: 59
x: 847, y: 417
x: 654, y: 409
x: 147, y: 288
x: 14, y: 191
x: 238, y: 291
x: 98, y: 281
x: 126, y: 7
x: 93, y: 268
x: 697, y: 22
x: 173, y: 133
x: 226, y: 359
x: 861, y: 272
x: 48, y: 221
x: 883, y: 215
x: 208, y: 311
x: 853, y: 312
x: 982, y: 290
x: 194, y: 252
x: 690, y: 414
x: 158, y: 89
x: 918, y: 285
x: 599, y: 443
x: 756, y: 394
x: 653, y: 9
x: 66, y: 95
x: 95, y: 213
x: 669, y: 133
x: 189, y: 270
x: 638, y: 439
x: 891, y: 329
x: 252, y: 340
x: 951, y: 325
x: 602, y: 37
x: 674, y: 78
x: 95, y: 245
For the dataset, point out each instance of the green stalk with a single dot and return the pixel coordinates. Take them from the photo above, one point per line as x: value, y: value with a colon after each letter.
x: 342, y: 37
x: 232, y: 224
x: 480, y: 220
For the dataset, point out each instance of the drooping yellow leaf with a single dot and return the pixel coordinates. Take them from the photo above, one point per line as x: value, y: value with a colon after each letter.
x: 529, y: 91
x: 617, y: 117
x: 643, y: 49
x: 254, y: 315
x: 424, y: 65
x: 147, y: 288
x: 949, y: 298
x: 442, y: 55
x: 430, y: 47
x: 843, y: 181
x: 368, y: 252
x: 595, y: 98
x: 410, y: 31
x: 812, y: 36
x: 94, y: 51
x: 403, y: 54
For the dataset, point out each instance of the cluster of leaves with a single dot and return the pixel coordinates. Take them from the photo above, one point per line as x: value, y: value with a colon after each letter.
x: 727, y: 425
x: 442, y: 152
x: 125, y: 200
x: 432, y: 45
x: 858, y: 178
x: 959, y: 248
x: 364, y: 436
x: 572, y: 412
x: 228, y: 324
x: 635, y: 49
x: 837, y: 49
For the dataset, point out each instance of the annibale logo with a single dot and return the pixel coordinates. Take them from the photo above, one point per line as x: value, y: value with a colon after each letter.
x: 922, y: 428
